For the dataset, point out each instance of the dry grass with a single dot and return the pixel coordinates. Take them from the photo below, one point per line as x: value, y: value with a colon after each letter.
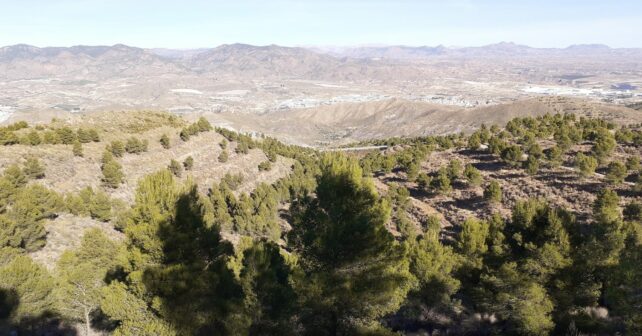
x: 64, y: 233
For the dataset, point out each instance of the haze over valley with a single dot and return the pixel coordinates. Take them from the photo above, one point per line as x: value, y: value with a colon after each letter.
x: 320, y: 96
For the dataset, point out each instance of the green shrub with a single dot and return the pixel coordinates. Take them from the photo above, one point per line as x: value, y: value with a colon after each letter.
x: 188, y: 163
x: 112, y: 174
x: 265, y: 165
x: 493, y: 192
x: 616, y: 172
x: 117, y: 148
x: 586, y: 164
x: 33, y: 168
x: 164, y: 141
x: 472, y: 174
x: 223, y: 157
x: 175, y: 168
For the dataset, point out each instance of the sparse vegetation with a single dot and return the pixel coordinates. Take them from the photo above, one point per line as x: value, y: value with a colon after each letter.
x: 493, y: 192
x: 175, y: 168
x: 223, y: 157
x: 188, y: 163
x: 164, y: 141
x: 202, y: 125
x: 265, y: 165
x: 135, y: 146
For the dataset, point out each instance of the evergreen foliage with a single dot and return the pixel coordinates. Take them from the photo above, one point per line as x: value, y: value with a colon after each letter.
x: 164, y: 141
x: 223, y: 157
x: 176, y: 168
x: 33, y: 168
x: 616, y: 172
x: 188, y: 163
x: 472, y: 175
x: 586, y: 164
x: 493, y: 192
x: 355, y: 271
x: 112, y: 173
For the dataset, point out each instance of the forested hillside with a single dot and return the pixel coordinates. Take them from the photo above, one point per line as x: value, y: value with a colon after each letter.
x: 178, y: 228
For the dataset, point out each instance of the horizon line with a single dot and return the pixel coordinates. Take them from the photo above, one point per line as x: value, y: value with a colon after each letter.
x: 328, y: 46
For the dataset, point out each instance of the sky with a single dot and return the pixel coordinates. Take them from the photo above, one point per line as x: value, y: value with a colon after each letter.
x: 199, y: 23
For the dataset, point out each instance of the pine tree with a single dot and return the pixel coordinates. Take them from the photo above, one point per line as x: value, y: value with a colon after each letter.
x: 512, y: 155
x: 423, y: 181
x: 173, y: 244
x: 271, y: 155
x: 135, y: 146
x: 474, y: 141
x: 633, y: 163
x: 264, y: 276
x: 472, y: 241
x: 33, y: 138
x: 188, y: 163
x: 472, y: 174
x: 15, y: 176
x: 242, y: 148
x: 83, y: 135
x: 524, y: 304
x: 32, y: 286
x: 23, y: 226
x: 112, y: 174
x: 175, y: 168
x: 203, y: 125
x: 608, y: 234
x: 441, y: 182
x: 604, y: 145
x: 49, y: 137
x: 76, y: 205
x: 117, y: 148
x: 7, y: 192
x: 93, y: 135
x: 355, y: 271
x: 531, y: 165
x: 554, y: 156
x: 433, y: 264
x: 265, y: 166
x: 100, y: 207
x: 493, y: 192
x: 81, y: 275
x: 585, y: 164
x: 223, y: 157
x: 164, y: 141
x: 616, y: 172
x: 454, y: 169
x: 33, y: 168
x: 66, y: 135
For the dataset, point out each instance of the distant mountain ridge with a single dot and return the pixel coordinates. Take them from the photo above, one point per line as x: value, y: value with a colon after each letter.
x: 502, y: 49
x: 99, y: 62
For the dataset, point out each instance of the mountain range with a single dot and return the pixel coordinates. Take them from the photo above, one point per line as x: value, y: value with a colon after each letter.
x: 25, y: 61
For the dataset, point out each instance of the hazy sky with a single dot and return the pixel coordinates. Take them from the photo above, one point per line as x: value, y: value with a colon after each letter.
x: 199, y: 23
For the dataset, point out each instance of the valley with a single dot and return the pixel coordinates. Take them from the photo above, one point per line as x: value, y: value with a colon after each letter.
x: 273, y: 90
